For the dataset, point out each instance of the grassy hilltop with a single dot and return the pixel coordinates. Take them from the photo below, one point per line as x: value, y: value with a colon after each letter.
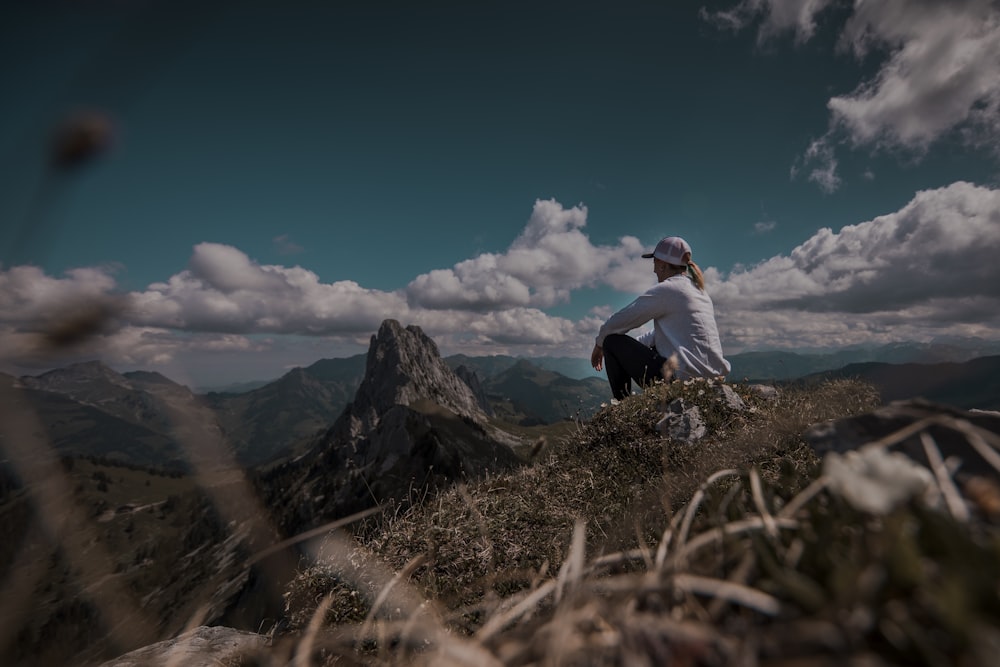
x: 615, y: 546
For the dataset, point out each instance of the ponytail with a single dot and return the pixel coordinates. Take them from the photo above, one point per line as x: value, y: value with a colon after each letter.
x: 695, y: 274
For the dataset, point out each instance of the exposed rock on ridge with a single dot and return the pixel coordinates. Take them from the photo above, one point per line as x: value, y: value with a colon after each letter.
x: 413, y: 424
x: 203, y: 646
x: 404, y: 366
x: 469, y: 377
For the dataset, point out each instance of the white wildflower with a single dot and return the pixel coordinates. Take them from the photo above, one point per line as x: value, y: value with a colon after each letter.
x: 874, y: 480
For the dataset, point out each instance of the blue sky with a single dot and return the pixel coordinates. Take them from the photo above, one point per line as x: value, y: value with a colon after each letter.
x: 280, y: 177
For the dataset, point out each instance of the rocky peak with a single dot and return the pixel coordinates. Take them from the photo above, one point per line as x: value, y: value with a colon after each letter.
x: 413, y: 424
x: 404, y: 366
x: 75, y: 376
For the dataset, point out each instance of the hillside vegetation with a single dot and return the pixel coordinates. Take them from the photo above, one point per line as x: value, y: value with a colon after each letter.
x: 619, y: 547
x: 149, y: 542
x: 610, y: 544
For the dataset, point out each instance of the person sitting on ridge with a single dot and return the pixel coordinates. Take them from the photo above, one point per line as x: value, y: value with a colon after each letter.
x: 683, y: 325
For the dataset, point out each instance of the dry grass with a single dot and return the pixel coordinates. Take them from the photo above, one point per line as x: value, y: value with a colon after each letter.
x: 615, y: 546
x: 589, y: 557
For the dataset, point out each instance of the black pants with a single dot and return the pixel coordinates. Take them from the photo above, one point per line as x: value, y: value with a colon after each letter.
x: 627, y: 359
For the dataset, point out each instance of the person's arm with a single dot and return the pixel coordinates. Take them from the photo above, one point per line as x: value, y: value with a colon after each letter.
x: 645, y: 308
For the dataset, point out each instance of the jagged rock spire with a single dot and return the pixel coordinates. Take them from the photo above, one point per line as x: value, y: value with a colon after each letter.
x: 413, y: 424
x: 404, y: 366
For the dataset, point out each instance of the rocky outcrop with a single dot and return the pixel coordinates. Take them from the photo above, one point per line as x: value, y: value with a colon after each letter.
x: 951, y: 430
x: 683, y: 421
x: 413, y: 425
x: 469, y: 377
x: 403, y: 367
x: 202, y: 647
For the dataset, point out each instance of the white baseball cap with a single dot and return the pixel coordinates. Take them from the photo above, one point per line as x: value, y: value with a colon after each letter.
x: 671, y: 250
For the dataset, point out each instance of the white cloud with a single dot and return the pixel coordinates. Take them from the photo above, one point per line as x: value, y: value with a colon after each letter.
x: 764, y: 227
x: 545, y: 263
x: 820, y: 155
x: 226, y: 269
x: 939, y: 74
x: 223, y: 290
x: 223, y: 296
x: 927, y: 268
x: 943, y: 73
x: 29, y: 297
x: 524, y: 326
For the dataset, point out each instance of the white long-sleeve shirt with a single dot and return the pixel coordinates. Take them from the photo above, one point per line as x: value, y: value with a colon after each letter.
x: 683, y: 322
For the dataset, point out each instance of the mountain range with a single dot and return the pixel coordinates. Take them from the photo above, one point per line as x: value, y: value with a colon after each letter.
x: 782, y: 365
x: 757, y: 365
x: 90, y: 409
x: 973, y: 384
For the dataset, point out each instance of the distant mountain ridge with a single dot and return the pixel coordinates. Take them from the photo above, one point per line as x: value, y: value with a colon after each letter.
x: 274, y: 419
x: 94, y: 410
x: 971, y: 384
x: 577, y: 368
x: 756, y: 365
x: 783, y: 365
x: 529, y: 394
x: 89, y: 409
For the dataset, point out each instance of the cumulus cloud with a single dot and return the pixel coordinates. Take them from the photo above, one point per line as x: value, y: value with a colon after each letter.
x: 943, y: 73
x: 223, y: 290
x: 550, y: 259
x: 223, y: 297
x: 30, y: 298
x: 939, y: 75
x: 226, y: 269
x: 928, y: 267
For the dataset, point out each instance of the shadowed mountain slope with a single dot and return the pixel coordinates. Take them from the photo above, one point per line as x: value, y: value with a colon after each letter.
x: 88, y: 409
x: 413, y: 424
x: 277, y: 419
x: 529, y: 394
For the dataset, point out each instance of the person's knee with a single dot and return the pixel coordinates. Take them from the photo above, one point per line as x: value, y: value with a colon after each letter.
x: 613, y: 343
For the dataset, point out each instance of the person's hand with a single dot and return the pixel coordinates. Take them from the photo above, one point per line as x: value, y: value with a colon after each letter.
x: 597, y: 358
